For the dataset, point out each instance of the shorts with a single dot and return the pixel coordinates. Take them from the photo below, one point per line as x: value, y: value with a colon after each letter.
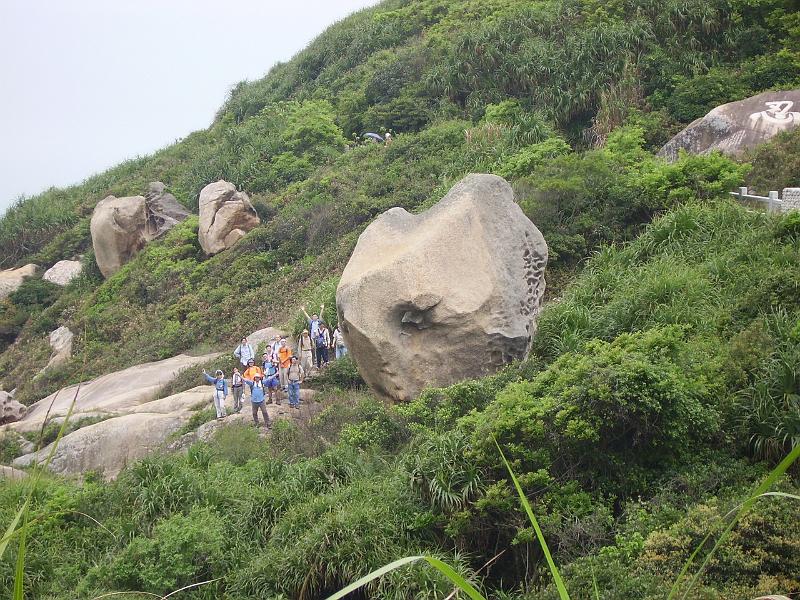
x: 271, y: 383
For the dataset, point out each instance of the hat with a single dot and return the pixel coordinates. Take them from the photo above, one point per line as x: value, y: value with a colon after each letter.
x: 257, y: 376
x: 305, y: 330
x: 219, y: 373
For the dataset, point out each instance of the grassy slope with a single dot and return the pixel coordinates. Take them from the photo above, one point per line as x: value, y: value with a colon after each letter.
x: 536, y: 85
x: 365, y: 484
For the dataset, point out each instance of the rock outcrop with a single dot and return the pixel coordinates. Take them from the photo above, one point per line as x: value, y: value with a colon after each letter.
x: 11, y: 411
x: 11, y: 473
x: 112, y: 394
x: 449, y: 294
x: 11, y: 279
x: 61, y: 345
x: 117, y: 441
x: 736, y: 127
x: 120, y: 227
x: 225, y: 216
x: 63, y: 272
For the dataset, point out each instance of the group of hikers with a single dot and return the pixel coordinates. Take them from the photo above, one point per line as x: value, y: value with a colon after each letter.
x: 280, y: 371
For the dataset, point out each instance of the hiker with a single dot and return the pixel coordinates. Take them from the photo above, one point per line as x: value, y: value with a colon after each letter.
x: 305, y: 347
x: 273, y: 347
x: 244, y: 352
x: 238, y: 388
x: 284, y: 356
x: 271, y: 381
x: 314, y: 320
x: 220, y: 391
x: 295, y: 374
x: 338, y: 343
x: 252, y: 370
x: 256, y: 386
x: 387, y: 138
x: 322, y: 342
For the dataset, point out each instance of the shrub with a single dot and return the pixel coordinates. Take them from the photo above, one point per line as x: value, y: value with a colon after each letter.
x: 341, y: 373
x: 183, y: 549
x: 611, y: 414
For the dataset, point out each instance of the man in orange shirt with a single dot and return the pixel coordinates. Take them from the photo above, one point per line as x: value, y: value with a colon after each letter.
x: 285, y: 356
x: 252, y: 370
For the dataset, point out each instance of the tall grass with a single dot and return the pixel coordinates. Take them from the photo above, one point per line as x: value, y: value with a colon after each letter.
x: 734, y: 516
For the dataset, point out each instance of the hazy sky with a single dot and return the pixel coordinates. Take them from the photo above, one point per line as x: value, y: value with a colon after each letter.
x: 89, y: 83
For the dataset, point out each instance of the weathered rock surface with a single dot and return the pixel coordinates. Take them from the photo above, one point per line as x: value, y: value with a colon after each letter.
x: 61, y: 345
x: 121, y: 227
x: 127, y: 434
x: 225, y: 216
x: 11, y: 411
x: 136, y: 431
x: 63, y: 272
x: 449, y: 294
x: 114, y: 393
x: 738, y: 126
x: 109, y: 445
x: 163, y: 211
x: 11, y: 473
x: 11, y: 279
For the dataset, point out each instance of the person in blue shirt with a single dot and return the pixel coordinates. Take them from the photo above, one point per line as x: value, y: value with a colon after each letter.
x: 244, y: 352
x: 271, y: 376
x: 220, y: 391
x: 257, y: 388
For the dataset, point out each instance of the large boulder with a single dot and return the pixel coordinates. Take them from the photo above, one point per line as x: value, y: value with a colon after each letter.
x: 63, y: 272
x: 11, y: 279
x: 117, y: 229
x: 61, y: 346
x: 225, y: 216
x: 11, y: 411
x: 445, y: 295
x: 120, y: 227
x: 736, y: 127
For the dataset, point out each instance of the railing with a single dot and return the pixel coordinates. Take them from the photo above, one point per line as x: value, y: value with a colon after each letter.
x: 773, y: 200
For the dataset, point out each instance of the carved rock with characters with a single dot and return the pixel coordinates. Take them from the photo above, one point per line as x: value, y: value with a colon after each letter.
x: 736, y: 127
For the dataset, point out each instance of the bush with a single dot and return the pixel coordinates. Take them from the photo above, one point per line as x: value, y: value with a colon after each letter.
x: 622, y: 411
x: 183, y: 549
x: 341, y: 373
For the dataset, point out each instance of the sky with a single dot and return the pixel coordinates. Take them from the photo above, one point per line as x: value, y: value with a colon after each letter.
x: 87, y: 84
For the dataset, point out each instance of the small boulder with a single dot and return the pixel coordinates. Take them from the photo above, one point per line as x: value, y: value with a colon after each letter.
x: 445, y: 295
x: 63, y: 272
x: 736, y: 127
x: 163, y: 211
x: 11, y: 279
x: 120, y: 227
x: 10, y: 409
x: 225, y: 216
x: 61, y: 344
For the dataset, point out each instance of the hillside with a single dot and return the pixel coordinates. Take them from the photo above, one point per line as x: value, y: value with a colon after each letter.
x: 663, y: 381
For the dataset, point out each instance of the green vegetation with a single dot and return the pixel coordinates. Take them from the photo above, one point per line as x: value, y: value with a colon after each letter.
x: 663, y: 382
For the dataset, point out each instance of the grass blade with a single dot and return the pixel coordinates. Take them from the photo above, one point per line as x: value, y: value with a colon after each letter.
x: 760, y: 490
x: 457, y: 579
x: 374, y: 575
x: 12, y: 527
x: 19, y: 573
x: 562, y: 589
x: 594, y: 584
x: 442, y: 567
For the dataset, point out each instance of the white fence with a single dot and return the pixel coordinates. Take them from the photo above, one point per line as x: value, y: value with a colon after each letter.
x: 775, y: 202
